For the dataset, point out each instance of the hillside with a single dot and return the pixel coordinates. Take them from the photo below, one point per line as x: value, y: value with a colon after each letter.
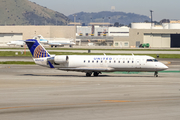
x: 24, y: 12
x: 121, y: 17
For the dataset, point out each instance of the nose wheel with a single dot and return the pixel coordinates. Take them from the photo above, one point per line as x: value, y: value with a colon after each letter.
x: 156, y: 74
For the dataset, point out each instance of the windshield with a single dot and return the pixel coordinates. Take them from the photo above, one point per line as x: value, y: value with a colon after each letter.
x: 152, y: 60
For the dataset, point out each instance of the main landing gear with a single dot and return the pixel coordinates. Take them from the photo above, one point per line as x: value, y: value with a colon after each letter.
x: 156, y: 74
x: 94, y: 74
x: 88, y: 74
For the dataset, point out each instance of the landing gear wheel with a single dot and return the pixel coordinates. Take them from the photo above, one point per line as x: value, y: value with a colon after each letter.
x: 88, y: 74
x: 156, y: 74
x: 96, y: 74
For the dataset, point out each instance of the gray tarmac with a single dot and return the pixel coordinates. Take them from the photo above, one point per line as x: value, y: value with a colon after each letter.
x: 103, y: 51
x: 31, y: 92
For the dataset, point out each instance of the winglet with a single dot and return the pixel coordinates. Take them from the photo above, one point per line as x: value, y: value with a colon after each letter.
x: 51, y: 66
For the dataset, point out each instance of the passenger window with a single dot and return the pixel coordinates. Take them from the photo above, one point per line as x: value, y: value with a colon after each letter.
x: 89, y: 61
x: 109, y: 61
x: 123, y: 61
x: 84, y: 61
x: 114, y: 61
x: 128, y: 61
x: 119, y: 61
x: 93, y: 61
x: 97, y: 61
x: 101, y: 61
x: 132, y: 61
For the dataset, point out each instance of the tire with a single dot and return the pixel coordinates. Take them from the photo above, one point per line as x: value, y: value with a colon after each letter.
x: 96, y: 74
x: 88, y: 74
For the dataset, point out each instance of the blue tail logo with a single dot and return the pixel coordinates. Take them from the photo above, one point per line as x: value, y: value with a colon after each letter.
x: 37, y: 50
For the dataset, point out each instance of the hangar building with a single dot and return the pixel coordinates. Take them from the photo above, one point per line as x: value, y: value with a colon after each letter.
x: 166, y: 35
x: 10, y: 33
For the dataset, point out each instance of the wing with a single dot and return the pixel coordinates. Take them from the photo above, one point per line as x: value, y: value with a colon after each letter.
x: 88, y: 69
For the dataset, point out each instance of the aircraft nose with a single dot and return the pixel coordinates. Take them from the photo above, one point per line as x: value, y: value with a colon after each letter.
x: 164, y: 67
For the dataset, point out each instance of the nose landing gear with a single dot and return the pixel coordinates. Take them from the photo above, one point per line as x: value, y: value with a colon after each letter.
x: 156, y: 74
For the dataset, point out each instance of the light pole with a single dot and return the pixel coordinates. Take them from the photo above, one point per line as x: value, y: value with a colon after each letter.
x: 151, y: 18
x: 103, y: 21
x: 75, y: 18
x: 110, y: 20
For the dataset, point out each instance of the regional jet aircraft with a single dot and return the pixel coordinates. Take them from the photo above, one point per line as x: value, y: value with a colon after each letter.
x: 16, y: 43
x: 55, y: 43
x: 96, y: 64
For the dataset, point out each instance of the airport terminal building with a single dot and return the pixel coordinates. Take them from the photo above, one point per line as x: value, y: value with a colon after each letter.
x: 166, y: 35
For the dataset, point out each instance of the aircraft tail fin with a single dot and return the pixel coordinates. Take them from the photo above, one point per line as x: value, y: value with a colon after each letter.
x: 36, y: 49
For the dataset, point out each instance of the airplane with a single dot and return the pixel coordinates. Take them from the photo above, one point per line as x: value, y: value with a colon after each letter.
x: 17, y: 43
x: 54, y: 43
x: 95, y: 64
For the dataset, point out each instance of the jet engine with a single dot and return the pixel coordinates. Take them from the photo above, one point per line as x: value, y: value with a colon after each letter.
x: 61, y: 59
x: 58, y: 59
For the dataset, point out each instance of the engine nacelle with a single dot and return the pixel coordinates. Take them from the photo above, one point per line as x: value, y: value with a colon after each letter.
x: 61, y: 59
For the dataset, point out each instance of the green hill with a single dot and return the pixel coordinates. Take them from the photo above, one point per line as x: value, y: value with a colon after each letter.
x: 24, y: 12
x: 107, y: 16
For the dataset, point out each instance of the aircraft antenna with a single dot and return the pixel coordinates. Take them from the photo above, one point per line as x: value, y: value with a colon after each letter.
x: 132, y: 54
x: 104, y: 54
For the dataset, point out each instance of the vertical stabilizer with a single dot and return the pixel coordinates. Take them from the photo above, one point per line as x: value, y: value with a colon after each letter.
x: 36, y: 49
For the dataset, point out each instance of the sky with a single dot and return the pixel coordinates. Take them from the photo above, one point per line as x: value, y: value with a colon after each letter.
x: 163, y: 9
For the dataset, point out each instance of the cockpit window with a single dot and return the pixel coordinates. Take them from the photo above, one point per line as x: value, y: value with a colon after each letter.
x: 152, y: 60
x: 155, y: 60
x: 149, y: 60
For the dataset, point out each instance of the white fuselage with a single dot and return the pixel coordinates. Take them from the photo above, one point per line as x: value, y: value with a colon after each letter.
x: 57, y: 43
x: 18, y: 43
x: 107, y: 63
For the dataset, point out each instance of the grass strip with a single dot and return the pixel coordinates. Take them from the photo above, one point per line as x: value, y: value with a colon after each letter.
x: 12, y: 54
x: 18, y: 63
x: 145, y: 49
x: 113, y: 49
